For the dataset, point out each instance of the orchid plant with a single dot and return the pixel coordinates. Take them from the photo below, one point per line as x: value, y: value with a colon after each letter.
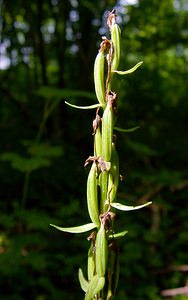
x: 101, y: 280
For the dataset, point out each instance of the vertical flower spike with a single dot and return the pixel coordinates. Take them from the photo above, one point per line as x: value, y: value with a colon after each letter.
x: 103, y: 177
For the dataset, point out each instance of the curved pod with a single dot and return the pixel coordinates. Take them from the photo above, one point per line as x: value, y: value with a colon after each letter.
x: 92, y: 197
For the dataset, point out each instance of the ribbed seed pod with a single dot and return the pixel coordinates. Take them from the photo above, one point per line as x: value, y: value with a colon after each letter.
x: 115, y: 37
x: 99, y: 78
x: 103, y: 183
x: 91, y: 262
x: 95, y: 286
x: 113, y: 175
x: 107, y: 132
x: 98, y: 142
x: 101, y: 251
x: 92, y: 196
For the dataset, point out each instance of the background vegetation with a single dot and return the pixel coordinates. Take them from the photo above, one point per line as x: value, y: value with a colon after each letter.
x: 47, y: 54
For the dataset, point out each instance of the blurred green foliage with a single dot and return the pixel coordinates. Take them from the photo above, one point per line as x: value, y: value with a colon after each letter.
x: 47, y: 54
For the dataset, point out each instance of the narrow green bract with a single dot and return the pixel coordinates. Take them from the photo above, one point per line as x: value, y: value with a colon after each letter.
x: 83, y: 282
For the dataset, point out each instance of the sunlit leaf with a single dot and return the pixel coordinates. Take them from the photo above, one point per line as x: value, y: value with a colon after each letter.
x: 130, y: 70
x: 76, y: 229
x: 83, y: 107
x: 128, y: 208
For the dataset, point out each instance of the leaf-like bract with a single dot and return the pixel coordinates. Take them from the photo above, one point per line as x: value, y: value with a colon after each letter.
x: 76, y: 229
x: 83, y: 282
x: 126, y: 130
x: 130, y: 70
x: 83, y: 107
x: 128, y: 208
x: 118, y: 235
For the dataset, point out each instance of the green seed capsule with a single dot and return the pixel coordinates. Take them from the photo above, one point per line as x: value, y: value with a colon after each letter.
x: 103, y: 182
x: 98, y: 142
x: 113, y: 175
x: 92, y: 197
x: 115, y: 36
x: 99, y: 78
x: 101, y: 251
x: 91, y: 262
x: 107, y: 132
x: 95, y: 286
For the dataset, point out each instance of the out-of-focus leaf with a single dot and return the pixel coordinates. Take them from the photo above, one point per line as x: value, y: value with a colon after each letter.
x: 126, y: 130
x: 60, y: 94
x: 23, y: 164
x: 45, y: 150
x: 141, y: 148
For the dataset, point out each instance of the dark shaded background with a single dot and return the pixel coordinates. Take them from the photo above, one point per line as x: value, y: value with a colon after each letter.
x: 47, y: 50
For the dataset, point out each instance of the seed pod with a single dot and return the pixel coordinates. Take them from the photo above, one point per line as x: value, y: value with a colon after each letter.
x: 103, y: 182
x: 107, y: 132
x: 92, y: 197
x: 115, y: 36
x: 91, y: 262
x: 98, y: 142
x: 95, y: 286
x: 113, y: 175
x: 99, y: 78
x: 101, y: 251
